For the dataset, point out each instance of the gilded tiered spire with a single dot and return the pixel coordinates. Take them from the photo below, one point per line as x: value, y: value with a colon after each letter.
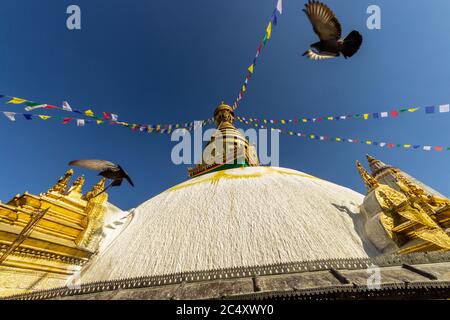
x: 61, y: 185
x: 76, y: 189
x: 228, y: 147
x: 96, y: 189
x: 376, y: 166
x: 369, y: 181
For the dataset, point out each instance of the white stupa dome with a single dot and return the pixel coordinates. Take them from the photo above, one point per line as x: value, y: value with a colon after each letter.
x: 250, y: 216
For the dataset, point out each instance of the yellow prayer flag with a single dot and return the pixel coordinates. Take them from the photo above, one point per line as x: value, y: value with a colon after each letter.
x: 338, y: 139
x: 15, y: 100
x: 407, y: 146
x: 89, y: 113
x: 269, y: 30
x: 99, y: 121
x: 283, y: 121
x: 44, y: 117
x: 243, y: 88
x: 330, y: 118
x: 368, y: 142
x: 366, y: 116
x: 413, y: 109
x: 251, y: 68
x: 305, y: 120
x: 311, y: 136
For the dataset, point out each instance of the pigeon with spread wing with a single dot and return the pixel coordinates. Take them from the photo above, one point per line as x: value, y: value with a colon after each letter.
x: 107, y: 169
x: 328, y: 28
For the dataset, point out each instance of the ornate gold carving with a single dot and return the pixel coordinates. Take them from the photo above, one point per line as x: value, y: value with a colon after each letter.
x: 93, y: 222
x: 413, y: 214
x: 436, y: 236
x: 61, y: 185
x: 388, y: 198
x: 52, y: 248
x: 388, y: 223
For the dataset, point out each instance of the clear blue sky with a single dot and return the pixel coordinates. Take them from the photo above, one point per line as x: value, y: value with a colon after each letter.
x: 174, y: 61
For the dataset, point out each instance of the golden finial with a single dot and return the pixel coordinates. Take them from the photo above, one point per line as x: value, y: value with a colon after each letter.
x: 61, y: 185
x: 370, y: 158
x: 369, y: 181
x: 77, y: 187
x: 96, y: 189
x: 224, y: 114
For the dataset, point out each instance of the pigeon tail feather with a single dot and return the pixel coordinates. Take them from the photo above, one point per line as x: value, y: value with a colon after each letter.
x: 352, y: 44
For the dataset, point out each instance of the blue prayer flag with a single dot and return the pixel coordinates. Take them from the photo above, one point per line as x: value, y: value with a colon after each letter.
x: 274, y: 17
x: 429, y: 109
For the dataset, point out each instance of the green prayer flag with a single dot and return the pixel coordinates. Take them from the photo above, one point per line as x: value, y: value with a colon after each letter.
x: 32, y: 104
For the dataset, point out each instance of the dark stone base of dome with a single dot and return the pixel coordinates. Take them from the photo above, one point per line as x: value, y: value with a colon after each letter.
x: 415, y: 276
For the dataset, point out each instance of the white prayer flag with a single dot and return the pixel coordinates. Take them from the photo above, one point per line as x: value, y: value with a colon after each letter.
x: 427, y: 148
x: 280, y: 6
x: 444, y: 108
x: 30, y: 108
x: 382, y: 144
x: 114, y: 117
x: 66, y: 106
x: 384, y: 114
x: 10, y: 115
x: 80, y: 122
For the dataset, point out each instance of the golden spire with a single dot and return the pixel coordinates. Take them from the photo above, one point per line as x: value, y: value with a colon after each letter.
x: 227, y: 148
x: 76, y: 189
x: 376, y: 165
x: 61, y: 185
x: 370, y: 158
x: 224, y: 116
x: 369, y: 181
x: 96, y: 189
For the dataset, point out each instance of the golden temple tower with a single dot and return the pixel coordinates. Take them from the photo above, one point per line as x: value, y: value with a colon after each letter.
x: 228, y: 148
x: 46, y: 238
x: 385, y: 174
x: 412, y: 216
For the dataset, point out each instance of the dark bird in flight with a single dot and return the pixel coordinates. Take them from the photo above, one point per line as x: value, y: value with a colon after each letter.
x: 328, y: 28
x: 107, y: 169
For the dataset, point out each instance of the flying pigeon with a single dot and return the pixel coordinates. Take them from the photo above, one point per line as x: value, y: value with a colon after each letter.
x: 107, y: 169
x: 328, y: 28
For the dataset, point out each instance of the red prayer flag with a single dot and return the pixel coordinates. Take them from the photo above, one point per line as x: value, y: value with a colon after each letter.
x: 438, y: 148
x: 106, y: 116
x: 394, y: 113
x: 260, y: 47
x: 66, y: 120
x: 50, y: 107
x: 391, y: 145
